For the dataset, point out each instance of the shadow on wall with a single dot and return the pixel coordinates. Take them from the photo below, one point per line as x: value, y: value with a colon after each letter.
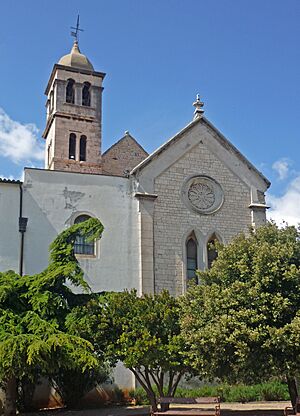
x: 46, y: 397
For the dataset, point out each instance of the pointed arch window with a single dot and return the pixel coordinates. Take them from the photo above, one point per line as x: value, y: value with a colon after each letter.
x: 212, y: 252
x: 82, y: 245
x: 82, y: 149
x: 191, y: 257
x: 72, y: 146
x: 86, y: 94
x: 70, y: 91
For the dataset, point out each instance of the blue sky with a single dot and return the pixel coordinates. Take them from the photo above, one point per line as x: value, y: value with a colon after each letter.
x: 242, y: 56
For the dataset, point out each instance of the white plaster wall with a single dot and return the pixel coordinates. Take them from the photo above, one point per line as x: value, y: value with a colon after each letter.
x: 51, y: 202
x: 9, y: 227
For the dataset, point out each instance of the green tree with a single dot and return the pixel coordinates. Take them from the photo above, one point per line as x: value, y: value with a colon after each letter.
x: 142, y: 332
x: 242, y: 323
x: 33, y: 311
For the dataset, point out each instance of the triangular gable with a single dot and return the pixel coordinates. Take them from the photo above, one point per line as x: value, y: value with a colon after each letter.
x: 122, y: 156
x: 121, y: 140
x: 224, y: 145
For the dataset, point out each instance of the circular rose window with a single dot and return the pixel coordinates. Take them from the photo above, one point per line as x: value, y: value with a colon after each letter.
x: 202, y: 194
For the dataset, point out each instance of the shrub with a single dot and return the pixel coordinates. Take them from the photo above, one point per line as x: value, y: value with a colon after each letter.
x: 270, y: 391
x: 139, y: 395
x: 72, y: 385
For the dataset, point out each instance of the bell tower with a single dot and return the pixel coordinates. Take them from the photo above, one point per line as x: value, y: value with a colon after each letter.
x: 74, y: 112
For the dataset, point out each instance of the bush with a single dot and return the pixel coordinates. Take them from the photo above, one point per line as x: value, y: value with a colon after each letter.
x: 72, y: 385
x: 139, y: 395
x: 274, y: 391
x: 271, y: 391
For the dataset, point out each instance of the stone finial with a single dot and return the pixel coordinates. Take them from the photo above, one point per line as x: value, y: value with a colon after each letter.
x: 198, y: 113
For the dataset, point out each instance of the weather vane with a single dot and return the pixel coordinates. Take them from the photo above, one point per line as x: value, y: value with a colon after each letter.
x: 76, y: 29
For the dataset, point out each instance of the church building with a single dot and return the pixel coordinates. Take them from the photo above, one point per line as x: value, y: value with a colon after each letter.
x: 160, y: 211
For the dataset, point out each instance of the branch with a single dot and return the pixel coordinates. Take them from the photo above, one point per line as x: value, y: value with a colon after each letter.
x: 171, y: 378
x: 157, y: 381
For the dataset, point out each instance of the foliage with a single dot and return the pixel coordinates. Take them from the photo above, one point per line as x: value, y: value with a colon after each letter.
x: 142, y: 332
x: 229, y: 393
x: 73, y: 384
x: 242, y: 323
x: 33, y: 311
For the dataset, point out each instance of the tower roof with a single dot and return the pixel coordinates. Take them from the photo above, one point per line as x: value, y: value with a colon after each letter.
x: 76, y: 59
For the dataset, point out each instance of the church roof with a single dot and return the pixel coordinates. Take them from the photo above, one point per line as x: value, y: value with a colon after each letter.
x: 14, y: 181
x: 222, y: 140
x: 76, y: 59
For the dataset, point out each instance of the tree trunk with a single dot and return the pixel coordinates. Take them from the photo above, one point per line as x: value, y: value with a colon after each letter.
x: 9, y: 391
x: 153, y: 403
x: 146, y: 385
x: 293, y: 390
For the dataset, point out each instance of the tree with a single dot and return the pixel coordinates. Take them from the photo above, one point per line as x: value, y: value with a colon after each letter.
x: 142, y: 332
x: 242, y: 322
x: 33, y: 311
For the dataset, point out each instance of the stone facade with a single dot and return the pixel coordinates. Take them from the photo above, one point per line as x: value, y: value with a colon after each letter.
x: 123, y: 156
x: 64, y: 119
x: 174, y: 222
x: 198, y: 151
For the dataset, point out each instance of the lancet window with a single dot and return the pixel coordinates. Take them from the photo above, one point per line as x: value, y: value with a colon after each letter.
x: 212, y: 252
x: 72, y: 146
x: 191, y: 257
x: 82, y: 149
x: 86, y: 94
x: 70, y: 91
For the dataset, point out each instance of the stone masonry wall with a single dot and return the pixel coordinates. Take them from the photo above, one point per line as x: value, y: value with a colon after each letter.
x: 173, y: 221
x: 122, y: 156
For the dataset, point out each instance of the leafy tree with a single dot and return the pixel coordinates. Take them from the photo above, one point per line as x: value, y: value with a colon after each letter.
x: 142, y: 332
x: 33, y: 311
x: 242, y: 323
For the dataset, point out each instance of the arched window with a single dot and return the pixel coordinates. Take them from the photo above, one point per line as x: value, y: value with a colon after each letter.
x: 70, y: 91
x: 82, y: 148
x: 82, y: 245
x: 86, y: 94
x: 72, y: 146
x: 212, y: 252
x: 191, y: 257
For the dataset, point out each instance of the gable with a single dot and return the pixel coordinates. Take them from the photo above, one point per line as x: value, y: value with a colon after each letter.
x: 199, y: 131
x: 122, y: 156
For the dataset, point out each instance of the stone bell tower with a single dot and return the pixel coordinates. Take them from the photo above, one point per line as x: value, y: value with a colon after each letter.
x: 74, y: 108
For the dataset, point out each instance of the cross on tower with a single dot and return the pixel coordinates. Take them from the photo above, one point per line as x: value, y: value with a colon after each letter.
x: 76, y: 34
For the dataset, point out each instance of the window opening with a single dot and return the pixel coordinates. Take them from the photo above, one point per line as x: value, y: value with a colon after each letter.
x: 82, y: 146
x: 72, y: 146
x: 82, y: 245
x: 212, y: 252
x: 86, y: 94
x: 191, y: 257
x: 70, y: 91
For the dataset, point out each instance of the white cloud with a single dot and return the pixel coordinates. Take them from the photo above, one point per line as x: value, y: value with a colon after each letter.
x: 282, y: 166
x: 19, y: 142
x: 286, y: 207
